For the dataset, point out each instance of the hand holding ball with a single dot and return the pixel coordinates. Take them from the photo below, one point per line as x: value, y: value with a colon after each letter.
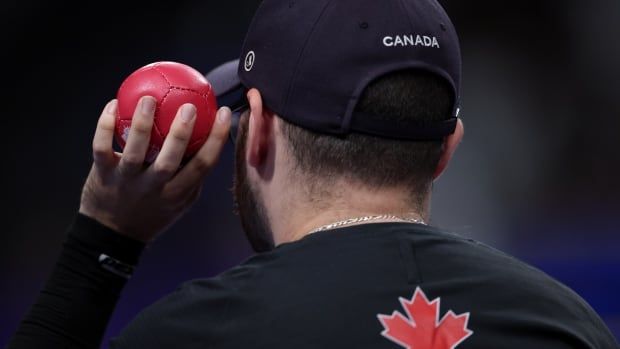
x: 172, y: 85
x: 137, y: 194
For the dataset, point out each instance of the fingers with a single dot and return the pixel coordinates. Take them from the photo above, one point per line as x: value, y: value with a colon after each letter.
x: 198, y: 167
x: 103, y: 153
x: 173, y: 149
x: 134, y: 152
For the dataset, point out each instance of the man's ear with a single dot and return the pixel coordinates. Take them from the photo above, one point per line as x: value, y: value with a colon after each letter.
x: 260, y: 129
x: 449, y: 147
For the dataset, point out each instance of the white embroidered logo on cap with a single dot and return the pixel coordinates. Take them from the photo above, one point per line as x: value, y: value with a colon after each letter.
x: 249, y: 61
x: 411, y: 40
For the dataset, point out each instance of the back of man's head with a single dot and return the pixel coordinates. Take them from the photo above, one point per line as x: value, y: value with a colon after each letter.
x: 367, y: 95
x: 375, y: 162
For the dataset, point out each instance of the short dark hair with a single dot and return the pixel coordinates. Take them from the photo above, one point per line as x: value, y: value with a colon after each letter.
x: 374, y: 161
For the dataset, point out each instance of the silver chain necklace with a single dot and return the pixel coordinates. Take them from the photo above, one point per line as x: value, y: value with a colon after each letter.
x: 366, y: 219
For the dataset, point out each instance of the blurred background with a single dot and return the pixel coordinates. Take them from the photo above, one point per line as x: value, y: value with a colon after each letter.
x: 537, y: 174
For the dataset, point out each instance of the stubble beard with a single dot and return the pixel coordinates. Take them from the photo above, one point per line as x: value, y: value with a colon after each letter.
x: 248, y: 202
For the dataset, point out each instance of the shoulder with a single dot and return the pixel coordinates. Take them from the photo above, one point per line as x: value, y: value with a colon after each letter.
x: 507, y: 297
x: 198, y: 311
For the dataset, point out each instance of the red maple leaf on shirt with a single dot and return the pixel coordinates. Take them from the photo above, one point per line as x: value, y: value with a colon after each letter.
x: 422, y: 329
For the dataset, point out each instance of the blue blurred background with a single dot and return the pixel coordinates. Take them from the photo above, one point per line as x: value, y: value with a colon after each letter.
x: 537, y: 174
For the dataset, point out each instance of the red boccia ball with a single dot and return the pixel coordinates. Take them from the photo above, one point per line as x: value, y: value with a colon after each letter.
x: 172, y: 85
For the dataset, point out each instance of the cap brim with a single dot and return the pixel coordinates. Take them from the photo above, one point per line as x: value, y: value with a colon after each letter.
x: 227, y: 86
x: 224, y: 78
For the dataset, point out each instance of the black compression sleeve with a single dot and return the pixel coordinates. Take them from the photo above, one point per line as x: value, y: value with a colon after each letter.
x: 74, y: 307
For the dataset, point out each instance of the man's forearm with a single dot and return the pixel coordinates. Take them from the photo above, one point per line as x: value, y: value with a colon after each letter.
x: 73, y: 309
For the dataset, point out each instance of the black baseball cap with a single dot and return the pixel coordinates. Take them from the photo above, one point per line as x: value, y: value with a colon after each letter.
x: 312, y: 59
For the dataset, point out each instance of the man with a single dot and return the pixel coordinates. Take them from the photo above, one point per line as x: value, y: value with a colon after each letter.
x: 350, y: 112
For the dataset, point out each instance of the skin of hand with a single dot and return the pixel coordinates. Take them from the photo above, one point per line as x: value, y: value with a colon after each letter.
x: 141, y: 200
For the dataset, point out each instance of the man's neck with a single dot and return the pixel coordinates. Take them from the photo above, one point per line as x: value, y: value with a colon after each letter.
x: 299, y: 216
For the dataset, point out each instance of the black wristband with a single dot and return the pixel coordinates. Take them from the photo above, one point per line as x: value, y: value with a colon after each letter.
x: 119, y: 252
